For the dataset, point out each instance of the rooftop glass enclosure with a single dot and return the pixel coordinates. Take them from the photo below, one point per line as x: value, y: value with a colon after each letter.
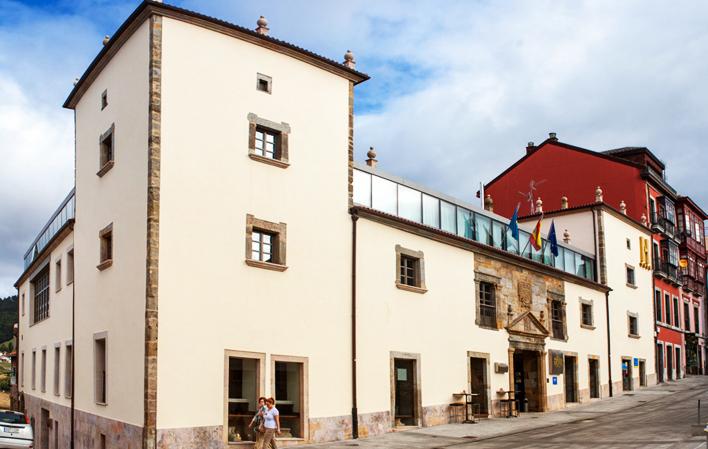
x: 64, y: 213
x: 402, y: 199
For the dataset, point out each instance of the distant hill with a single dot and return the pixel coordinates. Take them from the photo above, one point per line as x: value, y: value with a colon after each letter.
x: 8, y: 316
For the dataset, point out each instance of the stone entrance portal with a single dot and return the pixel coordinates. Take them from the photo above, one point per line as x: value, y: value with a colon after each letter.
x: 527, y: 370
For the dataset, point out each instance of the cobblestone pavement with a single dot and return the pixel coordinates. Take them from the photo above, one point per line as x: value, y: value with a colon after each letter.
x: 657, y: 417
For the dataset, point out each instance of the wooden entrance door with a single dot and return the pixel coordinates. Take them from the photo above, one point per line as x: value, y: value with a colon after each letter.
x: 569, y: 380
x: 478, y: 383
x: 642, y: 373
x: 45, y: 428
x: 594, y: 378
x: 405, y: 409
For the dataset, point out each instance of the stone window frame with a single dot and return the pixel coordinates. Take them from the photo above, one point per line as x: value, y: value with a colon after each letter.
x: 490, y: 279
x: 56, y: 372
x: 268, y: 82
x: 103, y: 257
x: 552, y: 296
x: 282, y: 128
x: 591, y: 303
x: 100, y: 336
x: 228, y: 353
x: 631, y: 315
x: 105, y: 165
x: 417, y: 400
x: 628, y: 267
x: 68, y: 369
x: 420, y: 268
x: 280, y: 232
x: 304, y: 392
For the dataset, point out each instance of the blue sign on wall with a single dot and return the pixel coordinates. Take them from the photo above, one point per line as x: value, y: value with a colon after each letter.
x: 636, y: 361
x: 555, y: 380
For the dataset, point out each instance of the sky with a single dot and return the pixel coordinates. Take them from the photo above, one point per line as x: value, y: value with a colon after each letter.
x: 457, y: 88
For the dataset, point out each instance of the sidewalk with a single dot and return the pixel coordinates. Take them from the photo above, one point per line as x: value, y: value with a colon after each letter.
x: 432, y: 437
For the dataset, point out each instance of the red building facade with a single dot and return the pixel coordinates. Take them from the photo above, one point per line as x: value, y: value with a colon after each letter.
x: 635, y: 176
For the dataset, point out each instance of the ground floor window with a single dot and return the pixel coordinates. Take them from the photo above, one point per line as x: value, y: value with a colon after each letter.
x: 243, y: 383
x: 289, y: 397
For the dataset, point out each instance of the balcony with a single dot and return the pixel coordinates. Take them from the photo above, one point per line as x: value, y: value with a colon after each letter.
x: 665, y: 270
x: 663, y: 225
x: 692, y: 285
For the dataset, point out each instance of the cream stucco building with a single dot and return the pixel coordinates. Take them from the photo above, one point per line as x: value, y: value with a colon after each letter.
x: 221, y: 244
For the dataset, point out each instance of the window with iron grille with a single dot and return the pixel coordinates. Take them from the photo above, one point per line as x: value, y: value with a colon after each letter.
x: 40, y: 306
x: 263, y: 246
x: 633, y: 326
x: 409, y: 271
x: 267, y: 143
x: 557, y: 320
x: 587, y: 314
x: 487, y: 304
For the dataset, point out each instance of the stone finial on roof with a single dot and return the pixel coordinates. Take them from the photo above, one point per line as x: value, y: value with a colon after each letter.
x: 564, y: 202
x: 371, y: 154
x: 262, y: 27
x: 552, y: 136
x: 76, y: 81
x: 106, y: 38
x: 566, y: 236
x: 539, y: 205
x: 598, y: 195
x: 489, y: 203
x: 349, y: 59
x: 623, y: 207
x: 644, y: 219
x: 530, y: 147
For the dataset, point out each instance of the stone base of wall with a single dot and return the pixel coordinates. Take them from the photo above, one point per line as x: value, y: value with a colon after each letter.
x: 208, y: 437
x: 435, y: 415
x: 88, y: 427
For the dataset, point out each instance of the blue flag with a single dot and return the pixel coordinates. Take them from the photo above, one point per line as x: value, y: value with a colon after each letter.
x: 513, y: 225
x: 552, y: 239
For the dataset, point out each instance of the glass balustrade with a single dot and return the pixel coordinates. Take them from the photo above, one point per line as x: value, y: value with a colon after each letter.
x: 64, y: 213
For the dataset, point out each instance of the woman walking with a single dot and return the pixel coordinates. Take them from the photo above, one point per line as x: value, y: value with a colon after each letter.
x: 271, y: 422
x: 257, y: 421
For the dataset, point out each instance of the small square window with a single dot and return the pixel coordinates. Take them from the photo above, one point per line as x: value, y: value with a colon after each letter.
x: 265, y: 244
x: 629, y: 244
x: 587, y: 314
x: 630, y: 276
x: 264, y: 83
x: 409, y: 271
x: 106, y: 242
x: 267, y: 143
x: 633, y: 326
x: 106, y: 151
x: 104, y: 99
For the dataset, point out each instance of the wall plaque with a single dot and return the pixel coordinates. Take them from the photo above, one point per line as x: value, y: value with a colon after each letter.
x: 524, y: 289
x: 556, y: 362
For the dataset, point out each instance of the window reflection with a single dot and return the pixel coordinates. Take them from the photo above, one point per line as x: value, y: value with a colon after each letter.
x: 483, y: 226
x: 362, y: 188
x: 431, y: 211
x: 383, y: 195
x: 498, y: 234
x: 447, y: 217
x: 409, y: 204
x: 465, y: 223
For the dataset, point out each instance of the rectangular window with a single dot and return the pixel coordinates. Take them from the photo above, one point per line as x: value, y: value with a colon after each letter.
x: 104, y: 99
x: 22, y: 369
x: 288, y: 394
x: 409, y: 271
x: 677, y: 320
x: 57, y: 364
x: 243, y: 392
x: 68, y: 371
x: 667, y: 308
x: 264, y: 83
x: 263, y: 246
x: 629, y: 244
x: 267, y: 143
x: 557, y: 320
x: 34, y: 370
x: 40, y: 286
x: 587, y: 314
x: 633, y: 326
x: 696, y: 322
x: 57, y: 275
x: 686, y: 317
x: 99, y: 353
x: 43, y: 374
x: 105, y: 236
x: 431, y: 211
x: 23, y: 304
x: 70, y: 267
x: 487, y: 305
x: 630, y: 276
x: 106, y: 151
x: 657, y: 305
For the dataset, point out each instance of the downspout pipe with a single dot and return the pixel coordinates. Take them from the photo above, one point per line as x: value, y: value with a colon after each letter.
x: 73, y: 359
x: 355, y: 412
x: 609, y: 345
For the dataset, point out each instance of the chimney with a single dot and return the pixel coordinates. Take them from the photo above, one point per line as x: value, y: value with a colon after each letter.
x: 564, y: 202
x: 623, y: 207
x: 489, y: 203
x: 349, y: 59
x: 566, y: 237
x: 552, y: 136
x: 530, y: 147
x: 598, y: 195
x: 539, y: 205
x: 371, y: 161
x: 262, y: 27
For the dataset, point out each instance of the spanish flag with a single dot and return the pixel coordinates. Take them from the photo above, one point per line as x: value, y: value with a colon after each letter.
x: 535, y: 237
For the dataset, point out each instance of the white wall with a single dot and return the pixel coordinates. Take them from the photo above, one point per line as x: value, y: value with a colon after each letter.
x: 113, y: 300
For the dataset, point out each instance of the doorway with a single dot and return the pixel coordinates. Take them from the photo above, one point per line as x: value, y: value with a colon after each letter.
x: 642, y: 373
x: 405, y: 409
x: 678, y: 363
x: 660, y: 362
x: 594, y: 368
x: 669, y: 364
x: 45, y: 426
x: 527, y: 390
x: 626, y: 374
x: 569, y: 379
x: 479, y: 384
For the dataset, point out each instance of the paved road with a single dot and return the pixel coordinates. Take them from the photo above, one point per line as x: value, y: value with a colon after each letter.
x: 654, y: 418
x: 663, y: 423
